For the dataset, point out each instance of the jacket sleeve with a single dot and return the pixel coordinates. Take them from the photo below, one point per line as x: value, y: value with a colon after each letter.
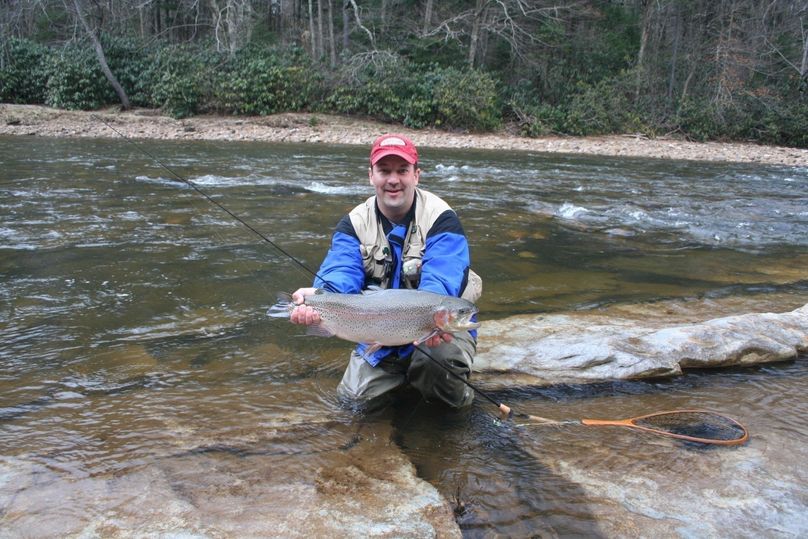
x: 342, y: 269
x: 446, y: 257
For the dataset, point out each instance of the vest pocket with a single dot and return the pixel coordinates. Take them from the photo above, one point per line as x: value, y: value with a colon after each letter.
x: 377, y: 264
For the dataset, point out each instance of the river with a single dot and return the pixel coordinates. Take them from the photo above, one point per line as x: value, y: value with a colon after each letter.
x: 132, y: 315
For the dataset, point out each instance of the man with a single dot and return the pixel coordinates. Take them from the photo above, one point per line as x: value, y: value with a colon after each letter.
x: 403, y: 237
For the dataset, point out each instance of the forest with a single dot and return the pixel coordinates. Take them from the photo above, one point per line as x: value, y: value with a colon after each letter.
x: 699, y: 69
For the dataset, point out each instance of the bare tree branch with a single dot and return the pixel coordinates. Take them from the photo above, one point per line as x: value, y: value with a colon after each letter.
x: 362, y: 26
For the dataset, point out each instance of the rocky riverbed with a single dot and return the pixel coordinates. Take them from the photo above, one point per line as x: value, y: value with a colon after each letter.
x: 32, y: 120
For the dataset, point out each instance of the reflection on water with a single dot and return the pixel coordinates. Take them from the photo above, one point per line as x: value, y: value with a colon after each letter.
x: 135, y: 353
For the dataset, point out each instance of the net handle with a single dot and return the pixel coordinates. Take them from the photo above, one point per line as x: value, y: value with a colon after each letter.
x: 609, y: 422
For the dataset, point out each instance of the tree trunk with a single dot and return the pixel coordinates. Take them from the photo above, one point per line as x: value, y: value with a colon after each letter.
x: 102, y: 59
x: 311, y: 31
x: 686, y: 85
x: 232, y: 18
x: 479, y: 12
x: 216, y: 14
x: 332, y: 45
x: 346, y: 25
x: 320, y: 34
x: 648, y: 8
x: 723, y: 57
x: 362, y: 26
x: 674, y: 56
x: 156, y: 21
x: 383, y: 15
x: 427, y: 17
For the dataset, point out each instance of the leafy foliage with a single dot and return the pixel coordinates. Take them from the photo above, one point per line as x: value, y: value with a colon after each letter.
x: 75, y: 80
x: 23, y: 77
x: 263, y: 81
x: 591, y: 89
x: 467, y: 99
x: 419, y: 96
x: 176, y: 80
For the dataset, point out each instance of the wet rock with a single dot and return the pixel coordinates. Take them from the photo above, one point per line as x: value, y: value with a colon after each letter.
x: 673, y: 489
x: 301, y: 481
x: 595, y: 346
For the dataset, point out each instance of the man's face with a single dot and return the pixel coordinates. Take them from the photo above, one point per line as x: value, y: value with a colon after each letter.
x: 394, y: 180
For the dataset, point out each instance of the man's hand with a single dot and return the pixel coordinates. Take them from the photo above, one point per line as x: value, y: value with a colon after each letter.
x: 439, y: 339
x: 303, y: 314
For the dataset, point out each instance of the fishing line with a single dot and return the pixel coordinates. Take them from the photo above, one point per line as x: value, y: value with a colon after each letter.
x: 212, y: 200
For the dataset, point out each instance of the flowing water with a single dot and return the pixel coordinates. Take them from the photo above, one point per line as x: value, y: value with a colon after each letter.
x: 134, y: 336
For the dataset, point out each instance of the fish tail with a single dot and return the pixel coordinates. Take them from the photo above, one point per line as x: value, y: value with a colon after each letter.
x: 283, y: 307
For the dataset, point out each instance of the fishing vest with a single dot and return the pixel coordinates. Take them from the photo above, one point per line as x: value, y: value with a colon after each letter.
x: 378, y: 253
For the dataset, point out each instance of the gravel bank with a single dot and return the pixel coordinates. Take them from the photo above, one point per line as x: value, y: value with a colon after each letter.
x: 32, y: 120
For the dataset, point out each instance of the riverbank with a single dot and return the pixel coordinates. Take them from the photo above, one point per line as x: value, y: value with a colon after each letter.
x: 33, y: 120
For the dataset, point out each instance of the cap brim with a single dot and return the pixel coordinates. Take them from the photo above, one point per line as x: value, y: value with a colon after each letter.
x: 391, y: 150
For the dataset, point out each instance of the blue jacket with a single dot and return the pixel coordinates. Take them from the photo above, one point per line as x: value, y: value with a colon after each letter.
x: 367, y: 249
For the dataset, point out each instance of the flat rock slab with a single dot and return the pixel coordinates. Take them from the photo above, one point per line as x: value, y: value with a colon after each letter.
x: 640, y: 486
x: 644, y: 341
x: 315, y: 480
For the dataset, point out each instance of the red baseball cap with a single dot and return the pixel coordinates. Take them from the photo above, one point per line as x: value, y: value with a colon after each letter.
x: 393, y: 145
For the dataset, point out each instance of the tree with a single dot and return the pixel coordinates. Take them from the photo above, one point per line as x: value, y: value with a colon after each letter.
x: 102, y: 60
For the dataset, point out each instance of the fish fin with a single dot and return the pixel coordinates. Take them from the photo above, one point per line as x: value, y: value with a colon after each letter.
x: 428, y: 336
x: 319, y: 330
x: 283, y: 308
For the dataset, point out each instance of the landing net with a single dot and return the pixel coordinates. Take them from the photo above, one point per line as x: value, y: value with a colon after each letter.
x: 693, y: 425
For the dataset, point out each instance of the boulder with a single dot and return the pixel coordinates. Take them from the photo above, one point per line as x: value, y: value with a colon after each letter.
x: 625, y: 344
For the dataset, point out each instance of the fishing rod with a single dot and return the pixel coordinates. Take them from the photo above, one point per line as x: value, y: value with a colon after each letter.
x: 689, y: 425
x: 505, y: 411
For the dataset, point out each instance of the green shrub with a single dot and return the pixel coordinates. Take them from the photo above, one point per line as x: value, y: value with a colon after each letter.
x: 467, y: 99
x: 704, y: 119
x: 376, y: 89
x: 75, y: 80
x: 24, y: 75
x: 259, y: 81
x: 419, y: 96
x: 539, y: 120
x: 602, y: 109
x: 786, y: 124
x: 770, y: 119
x: 534, y: 117
x: 175, y: 79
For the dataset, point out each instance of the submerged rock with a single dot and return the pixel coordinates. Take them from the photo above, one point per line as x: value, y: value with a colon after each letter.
x: 674, y: 489
x: 307, y: 480
x: 594, y: 346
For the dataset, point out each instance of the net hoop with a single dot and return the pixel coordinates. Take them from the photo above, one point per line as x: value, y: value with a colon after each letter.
x: 714, y: 441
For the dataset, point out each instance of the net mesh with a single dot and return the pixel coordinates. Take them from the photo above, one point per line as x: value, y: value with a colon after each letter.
x: 697, y: 425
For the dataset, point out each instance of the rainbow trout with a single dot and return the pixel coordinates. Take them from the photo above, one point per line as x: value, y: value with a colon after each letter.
x: 379, y: 318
